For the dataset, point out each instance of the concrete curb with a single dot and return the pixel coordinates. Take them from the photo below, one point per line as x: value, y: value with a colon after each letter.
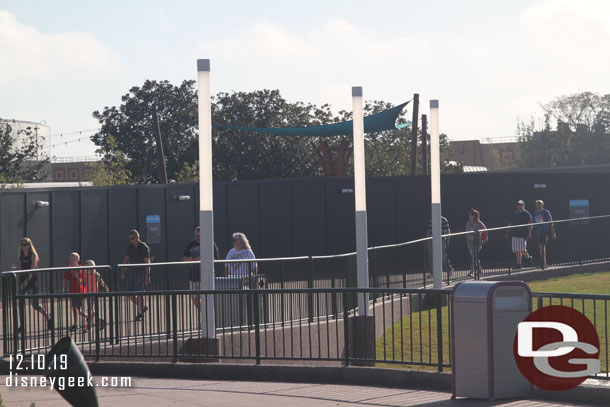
x: 360, y: 376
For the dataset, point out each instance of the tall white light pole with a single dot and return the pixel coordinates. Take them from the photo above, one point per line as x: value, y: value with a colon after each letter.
x: 362, y: 257
x: 435, y: 186
x: 206, y: 209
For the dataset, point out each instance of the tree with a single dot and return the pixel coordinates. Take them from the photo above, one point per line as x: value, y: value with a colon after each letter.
x: 580, y: 136
x: 112, y: 168
x: 245, y: 155
x: 131, y: 127
x: 237, y: 155
x: 19, y: 155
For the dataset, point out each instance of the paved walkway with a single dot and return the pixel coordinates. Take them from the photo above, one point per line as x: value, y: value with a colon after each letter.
x: 176, y: 392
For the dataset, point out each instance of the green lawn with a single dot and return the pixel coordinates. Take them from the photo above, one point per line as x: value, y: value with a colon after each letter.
x: 414, y: 339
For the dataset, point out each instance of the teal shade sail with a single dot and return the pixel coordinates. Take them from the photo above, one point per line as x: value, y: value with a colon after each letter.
x: 381, y: 121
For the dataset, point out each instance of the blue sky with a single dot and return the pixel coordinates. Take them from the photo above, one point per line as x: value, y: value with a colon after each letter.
x: 489, y: 63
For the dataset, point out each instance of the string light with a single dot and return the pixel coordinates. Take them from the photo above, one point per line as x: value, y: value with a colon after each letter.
x: 76, y: 140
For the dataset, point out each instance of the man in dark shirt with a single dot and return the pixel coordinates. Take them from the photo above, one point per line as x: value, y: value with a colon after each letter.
x: 520, y: 235
x: 193, y: 253
x: 138, y: 278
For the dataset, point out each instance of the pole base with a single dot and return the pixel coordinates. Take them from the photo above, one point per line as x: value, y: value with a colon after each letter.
x: 362, y: 340
x: 199, y: 350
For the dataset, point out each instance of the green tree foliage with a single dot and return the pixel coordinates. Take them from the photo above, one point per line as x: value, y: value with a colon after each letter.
x: 244, y: 155
x: 112, y: 168
x: 188, y: 173
x: 237, y: 155
x: 580, y: 137
x: 131, y: 127
x: 20, y: 161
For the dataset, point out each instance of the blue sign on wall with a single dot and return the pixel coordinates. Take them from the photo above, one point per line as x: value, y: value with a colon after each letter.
x: 153, y: 229
x: 579, y: 208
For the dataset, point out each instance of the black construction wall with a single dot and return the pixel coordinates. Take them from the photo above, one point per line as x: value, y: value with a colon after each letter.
x: 280, y: 217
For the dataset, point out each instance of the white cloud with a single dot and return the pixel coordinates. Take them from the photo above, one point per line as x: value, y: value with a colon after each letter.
x: 30, y: 56
x: 575, y: 33
x: 485, y: 79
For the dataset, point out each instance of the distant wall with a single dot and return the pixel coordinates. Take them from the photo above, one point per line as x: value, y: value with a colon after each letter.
x: 280, y: 217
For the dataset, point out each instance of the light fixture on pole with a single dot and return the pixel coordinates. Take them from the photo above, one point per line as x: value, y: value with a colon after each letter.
x: 206, y: 210
x: 435, y: 189
x: 362, y: 261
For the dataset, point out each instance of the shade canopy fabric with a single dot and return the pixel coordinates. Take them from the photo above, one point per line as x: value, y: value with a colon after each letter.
x: 377, y: 122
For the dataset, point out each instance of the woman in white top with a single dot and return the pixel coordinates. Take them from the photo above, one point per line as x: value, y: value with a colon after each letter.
x: 241, y: 251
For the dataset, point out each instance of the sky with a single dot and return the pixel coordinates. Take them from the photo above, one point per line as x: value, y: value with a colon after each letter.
x: 489, y: 63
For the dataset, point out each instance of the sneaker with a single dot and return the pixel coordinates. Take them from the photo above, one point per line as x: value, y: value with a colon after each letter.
x: 140, y: 316
x: 73, y: 328
x: 470, y: 274
x: 50, y: 322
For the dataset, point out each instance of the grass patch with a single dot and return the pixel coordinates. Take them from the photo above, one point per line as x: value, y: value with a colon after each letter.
x: 589, y: 283
x: 412, y: 342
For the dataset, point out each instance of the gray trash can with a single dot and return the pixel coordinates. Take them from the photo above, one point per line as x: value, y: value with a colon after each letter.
x: 231, y: 309
x: 484, y: 320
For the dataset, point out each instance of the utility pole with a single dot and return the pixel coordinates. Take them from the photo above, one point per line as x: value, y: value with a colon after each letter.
x: 160, y: 155
x: 424, y: 144
x: 414, y: 134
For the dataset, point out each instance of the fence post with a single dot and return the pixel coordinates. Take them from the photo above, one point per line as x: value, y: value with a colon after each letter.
x: 97, y: 326
x: 439, y: 331
x: 175, y: 326
x: 15, y: 317
x: 117, y: 304
x: 345, y: 329
x: 257, y: 333
x: 475, y: 254
x: 310, y: 294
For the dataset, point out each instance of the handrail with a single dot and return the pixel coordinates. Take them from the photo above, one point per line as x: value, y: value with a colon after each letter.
x: 246, y: 292
x: 322, y: 257
x: 49, y: 269
x: 601, y: 297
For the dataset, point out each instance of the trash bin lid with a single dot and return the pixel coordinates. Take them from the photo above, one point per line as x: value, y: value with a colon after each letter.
x: 472, y: 291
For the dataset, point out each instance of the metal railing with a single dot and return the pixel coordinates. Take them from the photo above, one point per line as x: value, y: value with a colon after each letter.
x: 594, y: 307
x: 404, y: 326
x: 409, y: 327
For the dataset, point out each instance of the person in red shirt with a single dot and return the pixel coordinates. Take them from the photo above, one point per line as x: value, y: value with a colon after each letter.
x: 93, y: 280
x: 75, y: 280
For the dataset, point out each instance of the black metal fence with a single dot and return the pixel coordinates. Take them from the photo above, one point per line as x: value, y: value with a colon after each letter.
x: 594, y: 307
x: 404, y: 326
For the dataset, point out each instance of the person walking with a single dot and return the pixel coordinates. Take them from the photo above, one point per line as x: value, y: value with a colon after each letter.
x: 93, y: 280
x: 193, y: 253
x: 476, y: 240
x: 520, y: 235
x: 241, y: 251
x: 543, y: 232
x: 28, y: 282
x: 75, y: 280
x: 138, y: 278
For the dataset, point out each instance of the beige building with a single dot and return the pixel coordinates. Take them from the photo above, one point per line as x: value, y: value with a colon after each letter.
x: 500, y: 155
